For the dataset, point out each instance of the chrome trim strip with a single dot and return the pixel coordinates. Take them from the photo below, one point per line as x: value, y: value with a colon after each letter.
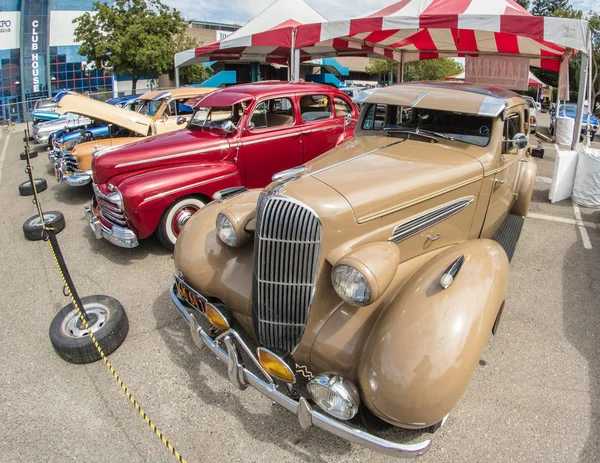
x: 278, y: 137
x: 186, y: 187
x: 416, y: 225
x: 307, y: 415
x: 172, y: 156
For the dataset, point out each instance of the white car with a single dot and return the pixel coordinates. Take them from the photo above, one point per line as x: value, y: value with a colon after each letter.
x: 533, y: 112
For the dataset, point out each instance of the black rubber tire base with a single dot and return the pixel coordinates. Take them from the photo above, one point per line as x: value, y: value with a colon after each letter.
x: 508, y: 234
x: 32, y: 154
x: 110, y: 335
x: 25, y: 188
x: 33, y: 230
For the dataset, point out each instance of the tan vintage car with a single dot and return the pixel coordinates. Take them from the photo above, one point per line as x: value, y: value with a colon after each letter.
x: 360, y: 289
x: 158, y: 112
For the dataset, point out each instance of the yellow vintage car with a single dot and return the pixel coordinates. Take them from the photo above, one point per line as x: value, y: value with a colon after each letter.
x: 158, y: 112
x: 359, y: 290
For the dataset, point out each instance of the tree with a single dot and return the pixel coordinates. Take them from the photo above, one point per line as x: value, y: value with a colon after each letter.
x: 133, y: 37
x: 188, y: 74
x: 524, y: 3
x: 549, y: 7
x: 594, y: 22
x: 431, y: 69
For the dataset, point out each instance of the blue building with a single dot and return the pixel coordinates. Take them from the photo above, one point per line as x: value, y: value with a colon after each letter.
x: 39, y: 55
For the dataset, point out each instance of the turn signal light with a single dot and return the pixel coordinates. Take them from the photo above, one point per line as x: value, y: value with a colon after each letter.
x: 218, y: 318
x: 279, y: 365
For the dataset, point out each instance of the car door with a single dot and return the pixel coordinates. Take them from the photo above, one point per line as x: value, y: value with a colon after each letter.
x: 506, y: 179
x: 321, y: 125
x: 271, y: 140
x: 166, y: 118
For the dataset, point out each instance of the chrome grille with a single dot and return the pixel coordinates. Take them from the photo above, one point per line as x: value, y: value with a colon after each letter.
x: 287, y: 247
x: 109, y: 210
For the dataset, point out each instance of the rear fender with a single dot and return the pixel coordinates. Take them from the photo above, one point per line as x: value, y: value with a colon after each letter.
x: 428, y: 341
x: 521, y: 205
x: 147, y: 195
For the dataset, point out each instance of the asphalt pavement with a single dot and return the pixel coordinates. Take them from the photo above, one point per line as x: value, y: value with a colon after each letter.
x: 535, y: 397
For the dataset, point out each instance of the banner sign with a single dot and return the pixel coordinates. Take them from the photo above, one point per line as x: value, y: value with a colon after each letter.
x: 498, y: 71
x: 34, y: 47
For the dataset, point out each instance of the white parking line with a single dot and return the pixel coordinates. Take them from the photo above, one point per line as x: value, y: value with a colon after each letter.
x: 3, y: 155
x: 543, y: 179
x: 587, y: 244
x: 552, y: 218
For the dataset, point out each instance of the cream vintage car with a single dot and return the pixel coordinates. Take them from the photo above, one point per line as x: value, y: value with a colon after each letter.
x: 361, y: 288
x: 158, y: 112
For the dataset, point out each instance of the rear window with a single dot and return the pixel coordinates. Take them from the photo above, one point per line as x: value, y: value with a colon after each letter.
x: 315, y: 107
x: 399, y: 120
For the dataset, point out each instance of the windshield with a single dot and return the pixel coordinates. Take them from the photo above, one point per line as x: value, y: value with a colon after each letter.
x: 215, y: 116
x: 149, y: 107
x: 466, y: 128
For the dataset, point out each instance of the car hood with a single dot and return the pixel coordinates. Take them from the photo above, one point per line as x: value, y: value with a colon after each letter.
x: 380, y: 175
x: 110, y: 114
x: 159, y: 150
x: 83, y: 152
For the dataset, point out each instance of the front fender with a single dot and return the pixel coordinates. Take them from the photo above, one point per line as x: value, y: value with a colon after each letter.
x: 428, y: 341
x: 521, y: 205
x: 146, y: 195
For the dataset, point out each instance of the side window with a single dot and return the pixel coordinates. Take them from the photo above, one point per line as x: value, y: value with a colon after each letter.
x: 170, y: 109
x: 512, y: 126
x: 183, y: 109
x: 272, y: 113
x: 315, y: 107
x: 375, y: 117
x: 342, y: 108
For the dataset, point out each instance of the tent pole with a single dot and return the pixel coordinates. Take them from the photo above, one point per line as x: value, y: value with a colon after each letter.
x: 176, y: 77
x: 401, y: 68
x: 580, y: 99
x: 590, y: 91
x: 293, y: 52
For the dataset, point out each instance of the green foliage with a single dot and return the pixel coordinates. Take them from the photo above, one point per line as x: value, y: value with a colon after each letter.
x: 549, y: 7
x: 188, y: 74
x: 431, y: 69
x: 133, y: 37
x: 523, y: 3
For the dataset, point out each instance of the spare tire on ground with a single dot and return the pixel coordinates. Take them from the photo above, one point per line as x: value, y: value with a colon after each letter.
x: 33, y: 229
x: 25, y: 188
x: 32, y: 154
x: 107, y: 320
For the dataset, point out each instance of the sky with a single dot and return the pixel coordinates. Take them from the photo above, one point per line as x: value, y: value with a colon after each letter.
x: 242, y: 11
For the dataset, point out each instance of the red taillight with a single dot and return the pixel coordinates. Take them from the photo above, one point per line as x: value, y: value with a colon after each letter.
x: 532, y: 120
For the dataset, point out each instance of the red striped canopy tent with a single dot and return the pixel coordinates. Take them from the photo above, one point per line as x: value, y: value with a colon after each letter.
x: 267, y: 38
x: 411, y: 30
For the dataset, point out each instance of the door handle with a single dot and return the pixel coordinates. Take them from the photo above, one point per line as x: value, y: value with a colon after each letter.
x: 296, y: 135
x: 434, y: 238
x: 499, y: 182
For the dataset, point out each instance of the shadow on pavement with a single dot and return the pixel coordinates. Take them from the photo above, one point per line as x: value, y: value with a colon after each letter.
x: 279, y: 427
x: 581, y: 321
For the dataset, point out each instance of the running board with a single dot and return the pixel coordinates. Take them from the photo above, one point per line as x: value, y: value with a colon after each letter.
x: 508, y: 234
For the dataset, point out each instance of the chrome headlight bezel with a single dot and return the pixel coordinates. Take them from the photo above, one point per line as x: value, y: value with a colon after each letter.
x: 336, y: 387
x: 225, y: 230
x: 359, y: 293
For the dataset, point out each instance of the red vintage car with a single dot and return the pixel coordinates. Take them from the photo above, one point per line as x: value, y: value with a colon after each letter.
x: 238, y: 136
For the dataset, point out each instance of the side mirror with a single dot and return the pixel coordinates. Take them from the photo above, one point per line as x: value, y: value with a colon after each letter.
x: 228, y: 127
x: 181, y: 120
x: 165, y: 117
x: 348, y: 119
x: 250, y: 126
x: 520, y: 141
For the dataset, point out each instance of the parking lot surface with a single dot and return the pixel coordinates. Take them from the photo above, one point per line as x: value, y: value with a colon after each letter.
x: 535, y: 397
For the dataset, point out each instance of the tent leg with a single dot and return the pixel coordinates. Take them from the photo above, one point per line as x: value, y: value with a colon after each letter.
x: 176, y: 77
x: 401, y: 68
x: 580, y: 99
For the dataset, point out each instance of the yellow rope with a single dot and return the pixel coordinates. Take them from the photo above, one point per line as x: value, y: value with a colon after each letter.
x: 132, y: 399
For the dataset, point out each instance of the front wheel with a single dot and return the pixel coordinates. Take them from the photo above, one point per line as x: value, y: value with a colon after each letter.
x: 175, y: 217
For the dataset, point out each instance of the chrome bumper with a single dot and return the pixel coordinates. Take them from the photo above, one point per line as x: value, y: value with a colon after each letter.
x: 119, y: 236
x: 307, y: 415
x: 73, y: 178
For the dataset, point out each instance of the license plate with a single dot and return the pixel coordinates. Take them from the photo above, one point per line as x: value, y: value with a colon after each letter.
x: 190, y: 295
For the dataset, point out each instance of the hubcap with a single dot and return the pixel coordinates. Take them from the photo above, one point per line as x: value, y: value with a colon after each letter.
x: 48, y: 218
x: 181, y: 217
x: 73, y: 327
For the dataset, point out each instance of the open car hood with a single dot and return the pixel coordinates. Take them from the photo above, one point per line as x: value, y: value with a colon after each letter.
x: 99, y: 111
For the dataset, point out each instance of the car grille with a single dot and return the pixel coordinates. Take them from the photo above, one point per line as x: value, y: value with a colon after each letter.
x: 286, y: 261
x: 109, y: 210
x: 70, y: 161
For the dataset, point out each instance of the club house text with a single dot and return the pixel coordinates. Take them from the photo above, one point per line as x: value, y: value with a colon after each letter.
x: 35, y: 64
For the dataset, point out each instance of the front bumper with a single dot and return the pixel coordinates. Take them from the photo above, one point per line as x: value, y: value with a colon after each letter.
x: 71, y: 177
x: 119, y: 236
x: 241, y: 377
x: 41, y: 139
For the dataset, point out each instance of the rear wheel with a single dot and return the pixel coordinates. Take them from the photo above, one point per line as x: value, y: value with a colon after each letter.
x: 175, y: 217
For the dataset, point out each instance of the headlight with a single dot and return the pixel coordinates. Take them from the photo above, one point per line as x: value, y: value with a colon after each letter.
x: 226, y: 231
x: 351, y: 285
x: 335, y: 395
